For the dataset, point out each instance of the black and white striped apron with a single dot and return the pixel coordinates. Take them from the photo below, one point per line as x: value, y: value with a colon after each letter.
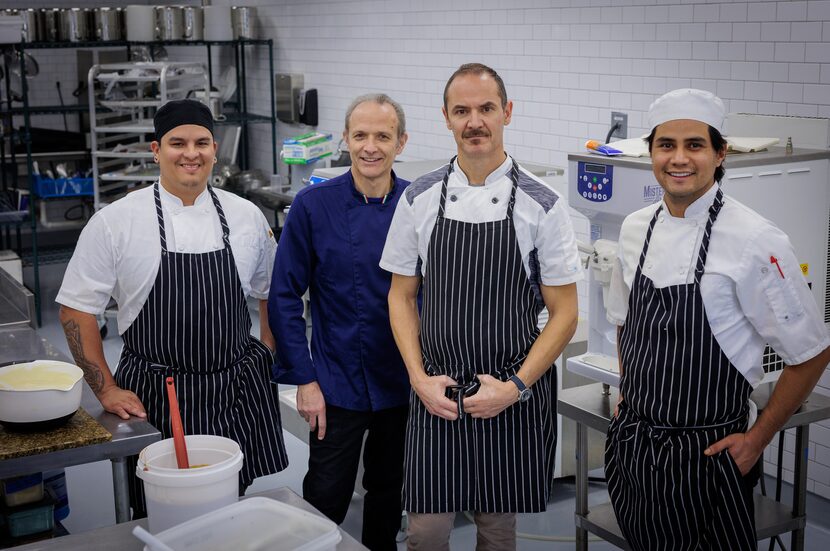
x: 196, y: 327
x: 479, y: 316
x: 681, y: 394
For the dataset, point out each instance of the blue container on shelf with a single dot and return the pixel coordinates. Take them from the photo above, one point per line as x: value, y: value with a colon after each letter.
x: 63, y: 187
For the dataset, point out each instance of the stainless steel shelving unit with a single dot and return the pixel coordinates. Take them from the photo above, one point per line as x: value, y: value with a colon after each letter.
x: 237, y: 113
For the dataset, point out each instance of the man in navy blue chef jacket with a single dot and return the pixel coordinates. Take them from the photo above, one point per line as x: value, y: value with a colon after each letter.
x: 701, y: 285
x: 353, y: 380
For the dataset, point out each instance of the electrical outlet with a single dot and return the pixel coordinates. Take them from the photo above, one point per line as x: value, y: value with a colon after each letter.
x: 622, y: 120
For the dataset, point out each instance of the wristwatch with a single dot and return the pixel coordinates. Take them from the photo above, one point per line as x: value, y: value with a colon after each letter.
x: 524, y: 392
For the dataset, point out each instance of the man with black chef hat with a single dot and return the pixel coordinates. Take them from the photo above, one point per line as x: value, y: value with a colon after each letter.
x: 701, y: 285
x: 180, y: 258
x: 490, y: 245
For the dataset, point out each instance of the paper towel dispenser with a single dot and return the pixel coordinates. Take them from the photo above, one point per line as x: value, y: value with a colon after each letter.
x: 287, y: 87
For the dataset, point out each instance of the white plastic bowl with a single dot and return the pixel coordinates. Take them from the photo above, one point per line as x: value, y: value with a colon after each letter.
x: 47, y: 401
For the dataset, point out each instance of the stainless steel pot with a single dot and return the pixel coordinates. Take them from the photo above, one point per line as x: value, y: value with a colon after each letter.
x: 108, y: 24
x: 51, y: 24
x: 194, y: 23
x: 75, y: 24
x: 248, y: 180
x: 39, y: 395
x: 169, y: 23
x: 243, y: 19
x: 33, y: 30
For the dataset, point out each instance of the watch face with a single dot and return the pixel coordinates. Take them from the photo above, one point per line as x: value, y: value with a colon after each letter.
x: 525, y: 395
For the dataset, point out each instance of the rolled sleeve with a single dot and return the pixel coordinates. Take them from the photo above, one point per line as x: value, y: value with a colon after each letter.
x: 556, y: 245
x: 400, y: 252
x: 90, y: 276
x: 778, y: 303
x: 267, y: 246
x: 289, y: 282
x: 616, y: 303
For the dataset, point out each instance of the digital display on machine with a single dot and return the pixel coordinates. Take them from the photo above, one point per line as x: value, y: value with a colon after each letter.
x: 594, y: 182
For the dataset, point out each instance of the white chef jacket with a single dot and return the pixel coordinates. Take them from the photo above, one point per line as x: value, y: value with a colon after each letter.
x: 747, y: 302
x: 118, y: 252
x: 540, y: 217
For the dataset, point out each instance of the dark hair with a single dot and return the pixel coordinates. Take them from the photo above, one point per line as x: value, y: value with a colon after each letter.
x: 478, y: 69
x: 718, y: 144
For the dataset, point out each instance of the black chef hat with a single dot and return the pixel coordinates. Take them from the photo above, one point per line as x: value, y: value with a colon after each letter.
x: 181, y: 111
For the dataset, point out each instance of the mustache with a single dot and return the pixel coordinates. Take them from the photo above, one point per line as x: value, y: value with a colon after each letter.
x: 475, y: 134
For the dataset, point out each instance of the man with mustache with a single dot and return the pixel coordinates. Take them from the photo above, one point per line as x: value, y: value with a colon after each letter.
x: 490, y: 246
x: 701, y: 285
x: 352, y: 383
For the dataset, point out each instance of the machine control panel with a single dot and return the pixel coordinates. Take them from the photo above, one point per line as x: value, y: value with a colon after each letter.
x: 595, y: 181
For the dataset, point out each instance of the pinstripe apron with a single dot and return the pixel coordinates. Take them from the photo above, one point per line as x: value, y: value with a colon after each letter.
x: 479, y: 316
x: 681, y: 394
x: 196, y: 327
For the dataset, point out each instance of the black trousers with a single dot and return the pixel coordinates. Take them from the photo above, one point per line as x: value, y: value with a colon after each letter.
x: 333, y: 463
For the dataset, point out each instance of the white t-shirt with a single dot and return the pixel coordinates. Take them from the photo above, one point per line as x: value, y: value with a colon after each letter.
x: 748, y: 303
x: 540, y: 217
x: 118, y: 252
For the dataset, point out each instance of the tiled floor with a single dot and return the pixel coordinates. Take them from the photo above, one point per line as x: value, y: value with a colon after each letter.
x: 550, y: 531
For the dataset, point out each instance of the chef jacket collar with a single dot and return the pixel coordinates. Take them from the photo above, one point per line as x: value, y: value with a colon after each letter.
x: 494, y: 176
x: 364, y: 199
x: 176, y: 202
x: 698, y: 210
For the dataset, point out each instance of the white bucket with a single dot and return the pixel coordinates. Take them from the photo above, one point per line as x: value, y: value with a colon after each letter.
x: 175, y: 495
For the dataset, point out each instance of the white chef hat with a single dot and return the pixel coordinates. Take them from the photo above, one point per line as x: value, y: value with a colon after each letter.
x: 687, y: 103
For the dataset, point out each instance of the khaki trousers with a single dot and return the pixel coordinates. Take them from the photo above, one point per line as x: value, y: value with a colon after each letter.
x: 431, y: 531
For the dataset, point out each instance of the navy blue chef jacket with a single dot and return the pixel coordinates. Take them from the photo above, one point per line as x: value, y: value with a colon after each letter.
x: 331, y: 244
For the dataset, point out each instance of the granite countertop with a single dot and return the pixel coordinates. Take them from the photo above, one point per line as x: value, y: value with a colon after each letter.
x: 81, y: 430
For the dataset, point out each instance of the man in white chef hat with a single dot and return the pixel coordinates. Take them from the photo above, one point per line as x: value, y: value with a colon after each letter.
x: 702, y: 284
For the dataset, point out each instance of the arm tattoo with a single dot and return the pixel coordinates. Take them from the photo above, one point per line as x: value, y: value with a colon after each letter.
x: 92, y: 373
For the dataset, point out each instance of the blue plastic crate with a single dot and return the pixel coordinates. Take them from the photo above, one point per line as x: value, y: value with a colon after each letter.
x: 63, y: 187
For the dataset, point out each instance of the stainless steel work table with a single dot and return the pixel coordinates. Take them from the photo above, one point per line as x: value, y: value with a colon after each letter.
x: 120, y: 536
x: 590, y: 408
x: 21, y: 343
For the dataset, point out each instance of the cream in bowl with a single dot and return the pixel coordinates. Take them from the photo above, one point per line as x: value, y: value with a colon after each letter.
x: 39, y: 395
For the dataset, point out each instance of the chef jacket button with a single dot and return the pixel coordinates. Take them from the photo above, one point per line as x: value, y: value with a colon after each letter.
x: 494, y: 200
x: 180, y: 248
x: 453, y: 198
x: 649, y: 265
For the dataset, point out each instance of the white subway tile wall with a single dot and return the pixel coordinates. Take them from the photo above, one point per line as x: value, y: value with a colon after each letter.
x: 566, y: 63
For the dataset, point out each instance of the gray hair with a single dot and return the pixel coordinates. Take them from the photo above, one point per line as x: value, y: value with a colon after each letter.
x: 380, y: 99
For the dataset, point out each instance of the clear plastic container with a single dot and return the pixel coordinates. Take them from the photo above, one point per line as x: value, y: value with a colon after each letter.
x: 254, y: 524
x: 31, y: 519
x: 22, y: 489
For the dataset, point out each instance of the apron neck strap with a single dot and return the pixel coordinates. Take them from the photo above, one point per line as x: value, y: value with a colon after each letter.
x: 160, y: 217
x: 714, y: 210
x: 514, y: 177
x: 446, y: 179
x: 222, y: 220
